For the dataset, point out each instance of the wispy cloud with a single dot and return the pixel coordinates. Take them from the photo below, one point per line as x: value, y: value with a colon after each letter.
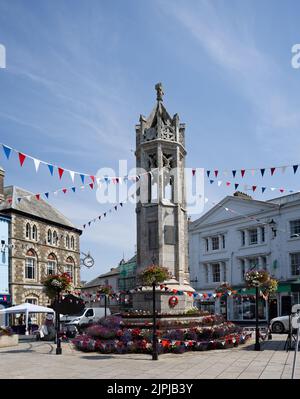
x: 231, y: 44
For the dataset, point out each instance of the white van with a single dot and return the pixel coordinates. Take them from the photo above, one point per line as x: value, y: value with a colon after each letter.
x: 87, y: 316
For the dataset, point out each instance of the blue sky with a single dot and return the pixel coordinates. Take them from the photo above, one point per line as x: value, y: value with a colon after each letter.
x: 80, y: 73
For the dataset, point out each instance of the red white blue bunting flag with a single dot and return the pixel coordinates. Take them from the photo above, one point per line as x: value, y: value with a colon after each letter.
x: 61, y: 171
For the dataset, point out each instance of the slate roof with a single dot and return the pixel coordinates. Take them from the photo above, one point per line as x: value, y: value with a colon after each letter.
x: 32, y: 206
x: 98, y: 280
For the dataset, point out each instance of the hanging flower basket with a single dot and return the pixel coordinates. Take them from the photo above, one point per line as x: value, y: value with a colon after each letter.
x: 154, y: 274
x: 257, y: 278
x: 57, y: 283
x: 105, y: 289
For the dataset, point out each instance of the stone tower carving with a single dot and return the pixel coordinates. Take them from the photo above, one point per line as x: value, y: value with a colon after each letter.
x: 162, y: 235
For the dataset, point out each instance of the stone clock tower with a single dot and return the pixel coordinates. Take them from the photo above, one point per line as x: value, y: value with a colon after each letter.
x: 162, y: 235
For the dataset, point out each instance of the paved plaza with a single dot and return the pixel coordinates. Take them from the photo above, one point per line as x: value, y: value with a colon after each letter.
x: 38, y: 360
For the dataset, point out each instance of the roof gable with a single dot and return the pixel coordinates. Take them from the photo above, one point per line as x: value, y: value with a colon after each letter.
x: 33, y: 206
x: 237, y: 207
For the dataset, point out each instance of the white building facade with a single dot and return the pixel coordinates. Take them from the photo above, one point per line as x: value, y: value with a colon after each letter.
x: 238, y: 234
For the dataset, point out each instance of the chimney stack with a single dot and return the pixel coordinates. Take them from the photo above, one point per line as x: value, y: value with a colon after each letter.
x: 2, y: 175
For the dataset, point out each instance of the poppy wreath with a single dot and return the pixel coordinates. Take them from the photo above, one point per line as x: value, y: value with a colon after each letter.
x: 173, y: 301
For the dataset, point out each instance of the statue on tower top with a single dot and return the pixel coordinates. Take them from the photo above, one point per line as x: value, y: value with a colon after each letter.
x: 159, y: 92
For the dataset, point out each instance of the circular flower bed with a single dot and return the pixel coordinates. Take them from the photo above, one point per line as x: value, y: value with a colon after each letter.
x: 111, y: 335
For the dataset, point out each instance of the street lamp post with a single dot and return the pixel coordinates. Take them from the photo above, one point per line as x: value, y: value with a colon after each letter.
x: 105, y: 305
x: 257, y: 343
x: 154, y: 337
x: 269, y: 327
x: 57, y: 322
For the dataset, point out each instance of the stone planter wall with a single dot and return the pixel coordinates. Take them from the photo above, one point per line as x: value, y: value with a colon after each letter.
x: 6, y: 340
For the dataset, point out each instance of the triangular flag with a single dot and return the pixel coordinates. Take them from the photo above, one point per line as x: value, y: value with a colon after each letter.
x: 37, y: 196
x: 89, y: 223
x: 272, y: 171
x: 236, y: 185
x: 243, y: 172
x: 73, y: 189
x: 84, y: 226
x: 281, y: 190
x: 208, y: 173
x: 47, y: 195
x: 219, y: 182
x: 19, y: 199
x: 64, y: 190
x: 205, y: 200
x: 99, y: 217
x: 262, y: 171
x: 104, y: 214
x: 193, y: 172
x: 216, y: 173
x: 228, y: 183
x: 254, y: 188
x: 116, y: 207
x: 121, y: 204
x: 211, y: 181
x: 50, y: 167
x: 60, y: 172
x: 72, y: 175
x: 263, y: 189
x: 82, y: 178
x: 91, y: 185
x: 22, y: 158
x: 273, y: 188
x: 7, y: 151
x: 93, y: 178
x: 233, y: 173
x: 253, y: 172
x: 295, y: 167
x: 36, y: 164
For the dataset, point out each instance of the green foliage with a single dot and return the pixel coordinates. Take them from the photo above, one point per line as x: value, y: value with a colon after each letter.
x: 154, y: 274
x: 57, y: 283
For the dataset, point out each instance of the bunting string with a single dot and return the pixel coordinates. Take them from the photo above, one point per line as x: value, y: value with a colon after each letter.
x: 61, y: 171
x: 252, y: 187
x: 263, y: 171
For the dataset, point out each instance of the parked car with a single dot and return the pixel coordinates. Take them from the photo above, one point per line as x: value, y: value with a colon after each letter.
x: 87, y: 316
x: 281, y: 324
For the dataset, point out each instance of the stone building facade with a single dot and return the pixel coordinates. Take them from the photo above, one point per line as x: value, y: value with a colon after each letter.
x: 41, y: 242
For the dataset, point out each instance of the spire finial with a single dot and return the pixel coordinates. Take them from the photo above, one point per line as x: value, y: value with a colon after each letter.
x: 159, y: 92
